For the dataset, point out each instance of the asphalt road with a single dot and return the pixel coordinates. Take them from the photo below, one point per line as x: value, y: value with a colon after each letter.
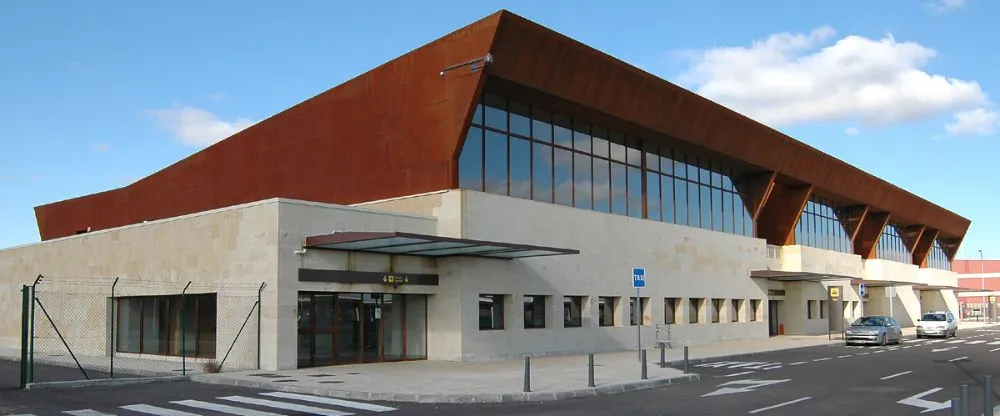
x: 833, y: 380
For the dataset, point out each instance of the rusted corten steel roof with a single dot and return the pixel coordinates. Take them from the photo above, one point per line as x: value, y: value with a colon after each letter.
x: 397, y: 130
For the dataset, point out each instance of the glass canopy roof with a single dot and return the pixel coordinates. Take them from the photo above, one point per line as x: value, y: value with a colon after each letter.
x: 427, y: 245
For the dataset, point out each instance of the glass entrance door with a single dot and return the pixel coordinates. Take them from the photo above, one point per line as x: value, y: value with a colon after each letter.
x: 352, y: 328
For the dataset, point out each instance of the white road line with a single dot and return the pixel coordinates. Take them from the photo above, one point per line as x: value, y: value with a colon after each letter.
x: 995, y: 349
x: 955, y: 341
x: 771, y: 367
x: 935, y: 341
x: 956, y: 359
x: 864, y: 353
x: 347, y: 403
x: 994, y: 343
x: 285, y: 406
x: 896, y: 375
x: 798, y: 363
x: 844, y: 356
x: 221, y: 408
x: 780, y: 405
x: 727, y: 375
x: 86, y: 412
x: 822, y: 359
x: 909, y: 346
x: 976, y: 342
x: 158, y: 411
x: 879, y: 351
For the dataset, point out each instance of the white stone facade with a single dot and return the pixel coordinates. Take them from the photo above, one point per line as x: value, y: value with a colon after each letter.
x: 234, y: 250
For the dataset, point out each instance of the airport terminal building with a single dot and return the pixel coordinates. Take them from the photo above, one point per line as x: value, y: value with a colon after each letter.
x: 487, y: 196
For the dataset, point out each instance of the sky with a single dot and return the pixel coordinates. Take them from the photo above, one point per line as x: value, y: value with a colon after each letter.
x: 98, y: 94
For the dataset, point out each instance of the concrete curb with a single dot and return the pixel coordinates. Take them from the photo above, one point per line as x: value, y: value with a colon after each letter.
x: 746, y: 354
x: 455, y: 398
x: 53, y: 385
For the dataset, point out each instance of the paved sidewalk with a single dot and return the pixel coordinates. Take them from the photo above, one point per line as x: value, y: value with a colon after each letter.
x: 552, y: 378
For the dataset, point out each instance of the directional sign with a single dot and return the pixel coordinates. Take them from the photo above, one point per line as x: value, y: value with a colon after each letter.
x: 927, y: 405
x: 748, y: 385
x: 638, y: 277
x: 861, y: 290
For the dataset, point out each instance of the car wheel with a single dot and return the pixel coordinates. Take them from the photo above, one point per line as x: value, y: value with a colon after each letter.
x: 881, y: 341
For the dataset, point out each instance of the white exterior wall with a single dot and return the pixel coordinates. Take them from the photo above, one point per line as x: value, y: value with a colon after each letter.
x: 229, y: 251
x: 683, y: 262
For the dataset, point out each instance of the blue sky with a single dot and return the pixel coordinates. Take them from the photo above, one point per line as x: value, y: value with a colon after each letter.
x: 98, y: 94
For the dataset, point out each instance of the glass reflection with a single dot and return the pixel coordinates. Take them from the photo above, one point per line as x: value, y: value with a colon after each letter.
x: 820, y: 226
x: 518, y: 149
x: 891, y: 245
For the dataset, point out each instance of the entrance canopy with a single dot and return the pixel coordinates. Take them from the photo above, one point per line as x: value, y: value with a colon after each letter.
x: 427, y: 245
x: 942, y: 287
x: 783, y: 276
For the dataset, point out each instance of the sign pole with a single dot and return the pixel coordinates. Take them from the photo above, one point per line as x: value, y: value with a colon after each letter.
x: 638, y: 282
x: 638, y: 323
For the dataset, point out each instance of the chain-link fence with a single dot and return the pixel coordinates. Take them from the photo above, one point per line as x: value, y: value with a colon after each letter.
x: 85, y: 328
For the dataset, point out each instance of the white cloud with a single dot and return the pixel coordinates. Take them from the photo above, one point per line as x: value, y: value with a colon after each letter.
x: 102, y: 148
x: 197, y: 127
x: 941, y: 6
x: 979, y: 121
x: 851, y: 131
x: 800, y: 78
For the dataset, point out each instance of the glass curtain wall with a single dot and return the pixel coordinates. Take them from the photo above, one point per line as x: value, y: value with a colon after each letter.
x: 891, y: 245
x: 937, y: 258
x: 526, y: 151
x: 819, y: 226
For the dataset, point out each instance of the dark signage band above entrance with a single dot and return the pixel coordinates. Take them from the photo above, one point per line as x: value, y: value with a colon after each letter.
x: 377, y: 278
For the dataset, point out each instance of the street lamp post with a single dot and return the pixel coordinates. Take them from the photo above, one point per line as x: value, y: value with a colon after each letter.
x: 982, y: 280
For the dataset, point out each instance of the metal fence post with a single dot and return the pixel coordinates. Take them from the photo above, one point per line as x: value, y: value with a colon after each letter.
x: 956, y: 406
x: 259, y: 306
x: 987, y: 395
x: 31, y: 347
x: 113, y: 328
x: 685, y: 359
x: 25, y: 321
x: 964, y: 394
x: 527, y: 374
x: 643, y: 354
x: 183, y: 332
x: 590, y: 370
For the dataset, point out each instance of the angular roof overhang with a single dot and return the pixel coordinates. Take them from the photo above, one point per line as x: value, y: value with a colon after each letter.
x: 427, y: 245
x: 783, y: 276
x: 539, y: 59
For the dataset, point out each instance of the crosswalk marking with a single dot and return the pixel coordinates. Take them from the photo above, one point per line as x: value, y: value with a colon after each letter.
x: 331, y: 401
x: 221, y: 408
x: 86, y: 412
x: 158, y: 411
x: 285, y: 406
x: 976, y: 342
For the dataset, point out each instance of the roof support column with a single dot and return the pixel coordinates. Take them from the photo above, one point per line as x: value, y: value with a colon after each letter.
x: 755, y: 190
x: 923, y: 247
x: 911, y: 235
x: 776, y: 220
x: 866, y: 239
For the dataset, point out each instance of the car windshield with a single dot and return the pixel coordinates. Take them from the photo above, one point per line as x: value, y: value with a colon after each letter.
x: 934, y: 317
x: 871, y: 321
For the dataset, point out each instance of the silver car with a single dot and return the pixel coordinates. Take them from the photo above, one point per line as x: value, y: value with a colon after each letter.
x: 878, y: 330
x: 937, y: 323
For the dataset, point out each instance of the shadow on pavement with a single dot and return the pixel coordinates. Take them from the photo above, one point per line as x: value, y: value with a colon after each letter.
x: 10, y: 374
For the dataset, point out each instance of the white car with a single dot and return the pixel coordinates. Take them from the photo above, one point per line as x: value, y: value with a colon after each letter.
x: 937, y: 323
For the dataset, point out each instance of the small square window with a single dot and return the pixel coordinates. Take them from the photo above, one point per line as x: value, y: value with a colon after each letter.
x: 534, y: 311
x: 606, y: 305
x: 572, y: 311
x: 490, y: 312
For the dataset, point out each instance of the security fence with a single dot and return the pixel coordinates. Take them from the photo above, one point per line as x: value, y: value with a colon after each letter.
x: 87, y: 329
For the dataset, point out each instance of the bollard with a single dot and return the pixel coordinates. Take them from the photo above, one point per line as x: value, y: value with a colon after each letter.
x: 527, y: 374
x: 685, y: 359
x: 643, y: 355
x: 987, y: 394
x: 956, y: 407
x: 663, y: 355
x: 590, y: 370
x: 964, y: 394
